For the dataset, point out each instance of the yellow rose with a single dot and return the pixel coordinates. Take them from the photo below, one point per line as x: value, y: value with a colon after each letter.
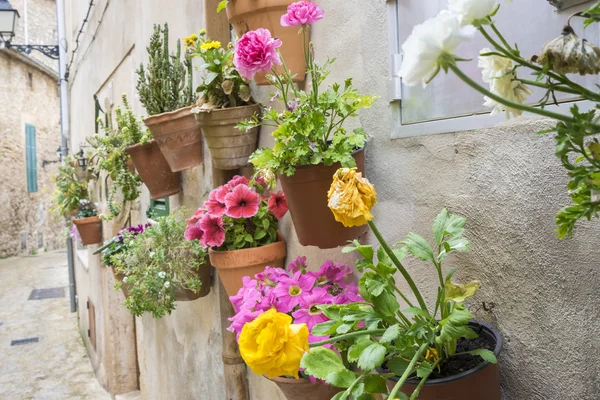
x: 351, y: 197
x: 271, y: 345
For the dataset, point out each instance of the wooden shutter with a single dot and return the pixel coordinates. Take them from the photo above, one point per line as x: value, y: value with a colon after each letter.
x: 31, y: 158
x: 159, y: 208
x: 91, y: 323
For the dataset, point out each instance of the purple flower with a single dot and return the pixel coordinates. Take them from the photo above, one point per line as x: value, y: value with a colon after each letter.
x: 299, y: 264
x: 289, y: 290
x: 256, y: 51
x: 350, y: 294
x: 309, y: 312
x: 275, y: 97
x: 272, y: 275
x: 248, y: 295
x: 292, y: 105
x: 302, y: 13
x: 331, y: 273
x: 241, y: 319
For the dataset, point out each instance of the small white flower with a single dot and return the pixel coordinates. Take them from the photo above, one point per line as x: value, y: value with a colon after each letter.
x: 167, y: 284
x: 427, y: 43
x: 162, y: 274
x: 470, y: 11
x: 125, y: 280
x: 152, y: 254
x: 131, y: 243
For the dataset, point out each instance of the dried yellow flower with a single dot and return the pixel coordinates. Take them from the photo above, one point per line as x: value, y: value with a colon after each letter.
x: 227, y: 87
x: 351, y: 197
x: 570, y: 54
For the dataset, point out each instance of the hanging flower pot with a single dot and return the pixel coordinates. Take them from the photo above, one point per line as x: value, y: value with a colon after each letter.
x: 229, y: 146
x: 249, y: 15
x: 178, y: 137
x: 477, y: 383
x: 90, y: 229
x: 306, y: 193
x: 233, y: 265
x: 205, y: 275
x: 154, y: 170
x: 302, y: 389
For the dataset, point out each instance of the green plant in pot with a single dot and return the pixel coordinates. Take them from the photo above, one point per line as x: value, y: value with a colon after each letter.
x: 225, y: 100
x: 68, y: 191
x: 160, y: 267
x: 88, y: 223
x: 165, y: 89
x: 311, y: 141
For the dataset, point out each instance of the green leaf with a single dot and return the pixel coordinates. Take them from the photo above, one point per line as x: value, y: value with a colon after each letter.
x: 372, y: 357
x: 321, y: 362
x: 326, y: 328
x: 454, y: 327
x: 418, y: 247
x: 221, y: 5
x: 375, y: 384
x: 398, y: 366
x: 365, y: 250
x: 358, y: 347
x: 459, y: 293
x: 455, y: 225
x: 259, y: 234
x: 416, y: 311
x: 385, y: 304
x: 390, y: 334
x: 487, y: 355
x: 424, y: 369
x: 210, y: 77
x: 342, y: 378
x: 439, y: 226
x: 376, y: 284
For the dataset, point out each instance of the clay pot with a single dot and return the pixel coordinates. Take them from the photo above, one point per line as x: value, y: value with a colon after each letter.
x: 124, y: 287
x: 233, y: 265
x: 303, y: 389
x: 306, y: 194
x: 178, y: 137
x: 90, y: 229
x: 154, y: 170
x: 229, y: 146
x: 481, y: 382
x: 249, y: 15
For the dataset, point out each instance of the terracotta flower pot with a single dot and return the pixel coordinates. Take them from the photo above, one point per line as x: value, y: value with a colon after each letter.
x: 249, y: 15
x: 233, y: 265
x: 303, y: 389
x: 125, y: 288
x: 481, y: 382
x: 178, y: 137
x: 306, y: 194
x: 90, y: 229
x: 154, y: 170
x: 229, y: 147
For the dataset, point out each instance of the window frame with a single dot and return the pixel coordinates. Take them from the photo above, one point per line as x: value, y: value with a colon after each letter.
x: 158, y: 209
x: 31, y: 158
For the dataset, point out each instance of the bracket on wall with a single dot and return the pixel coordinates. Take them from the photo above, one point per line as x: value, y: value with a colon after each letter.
x: 564, y: 4
x: 48, y: 51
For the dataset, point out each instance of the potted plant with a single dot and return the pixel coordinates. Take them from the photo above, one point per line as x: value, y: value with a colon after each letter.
x: 248, y: 16
x: 311, y: 142
x: 88, y: 223
x: 427, y: 351
x: 165, y: 90
x: 238, y: 227
x: 68, y: 192
x: 225, y: 100
x: 160, y: 267
x: 297, y: 294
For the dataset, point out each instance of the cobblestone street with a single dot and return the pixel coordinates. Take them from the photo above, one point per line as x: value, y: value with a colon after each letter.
x: 41, y: 353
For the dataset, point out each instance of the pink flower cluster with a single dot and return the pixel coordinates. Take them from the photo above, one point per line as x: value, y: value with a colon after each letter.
x: 236, y: 199
x: 302, y: 13
x: 297, y: 293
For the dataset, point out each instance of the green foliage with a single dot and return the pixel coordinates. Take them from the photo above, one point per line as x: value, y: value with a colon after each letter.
x: 86, y: 209
x: 311, y: 128
x: 157, y: 263
x: 165, y: 84
x: 69, y: 191
x: 110, y: 155
x: 222, y: 85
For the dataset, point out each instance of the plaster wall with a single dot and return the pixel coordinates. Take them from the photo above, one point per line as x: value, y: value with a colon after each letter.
x: 539, y: 291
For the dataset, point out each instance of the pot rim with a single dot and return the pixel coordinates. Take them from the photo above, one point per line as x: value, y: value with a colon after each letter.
x: 85, y: 221
x: 157, y: 118
x: 139, y: 145
x: 291, y: 381
x: 493, y: 331
x: 280, y: 239
x: 321, y: 164
x: 197, y: 110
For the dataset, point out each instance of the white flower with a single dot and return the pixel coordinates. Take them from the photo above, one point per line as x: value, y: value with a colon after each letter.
x: 470, y: 11
x: 125, y: 280
x: 162, y: 274
x: 151, y: 254
x: 493, y: 66
x: 427, y: 43
x: 167, y: 284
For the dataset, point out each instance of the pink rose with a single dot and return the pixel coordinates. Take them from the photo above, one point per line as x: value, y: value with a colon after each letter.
x: 256, y: 51
x: 302, y: 13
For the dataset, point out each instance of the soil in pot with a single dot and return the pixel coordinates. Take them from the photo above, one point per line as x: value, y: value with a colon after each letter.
x: 229, y: 147
x: 154, y: 170
x: 233, y: 265
x: 464, y: 377
x: 178, y: 137
x: 306, y: 194
x: 247, y: 16
x: 303, y: 389
x: 90, y: 229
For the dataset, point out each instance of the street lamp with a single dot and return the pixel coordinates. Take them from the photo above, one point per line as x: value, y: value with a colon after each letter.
x: 59, y: 153
x: 8, y: 22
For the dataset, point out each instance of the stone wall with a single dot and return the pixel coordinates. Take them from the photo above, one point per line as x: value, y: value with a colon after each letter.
x: 28, y: 93
x: 505, y: 180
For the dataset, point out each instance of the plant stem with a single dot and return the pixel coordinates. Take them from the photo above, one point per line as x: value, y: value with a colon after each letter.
x: 497, y: 32
x: 347, y: 336
x: 549, y: 86
x: 398, y: 265
x: 423, y: 380
x: 409, y: 370
x: 410, y: 304
x: 501, y: 100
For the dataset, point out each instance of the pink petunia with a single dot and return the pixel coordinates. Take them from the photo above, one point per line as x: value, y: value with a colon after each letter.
x: 194, y: 232
x: 302, y: 13
x: 248, y: 296
x: 350, y: 294
x: 256, y: 51
x: 309, y: 313
x: 196, y: 217
x: 237, y: 180
x: 272, y: 274
x: 242, y: 202
x: 219, y: 193
x: 299, y: 264
x: 214, y: 206
x: 331, y: 273
x: 278, y: 204
x: 241, y: 319
x: 214, y: 234
x: 289, y: 290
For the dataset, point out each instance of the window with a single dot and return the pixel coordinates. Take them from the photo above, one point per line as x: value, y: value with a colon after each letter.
x: 31, y: 158
x: 449, y: 105
x: 158, y: 208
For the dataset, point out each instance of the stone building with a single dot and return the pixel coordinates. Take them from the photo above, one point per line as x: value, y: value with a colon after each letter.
x: 29, y: 136
x: 539, y: 291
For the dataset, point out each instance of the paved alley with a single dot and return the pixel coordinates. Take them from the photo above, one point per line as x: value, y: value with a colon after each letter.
x: 41, y: 353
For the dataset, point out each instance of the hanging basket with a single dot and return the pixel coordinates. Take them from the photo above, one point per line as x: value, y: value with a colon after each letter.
x: 249, y: 15
x: 90, y: 229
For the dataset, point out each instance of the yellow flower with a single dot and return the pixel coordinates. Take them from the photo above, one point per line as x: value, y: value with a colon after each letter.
x: 351, y: 197
x: 202, y: 31
x: 189, y: 41
x: 211, y: 45
x: 271, y: 345
x: 431, y: 355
